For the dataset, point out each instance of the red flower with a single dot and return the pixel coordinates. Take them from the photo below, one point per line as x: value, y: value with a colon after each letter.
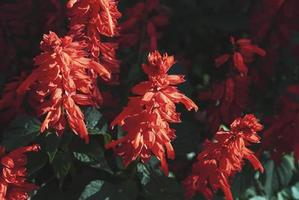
x: 273, y: 22
x: 147, y: 115
x: 145, y: 16
x: 223, y: 157
x: 242, y: 55
x: 282, y: 135
x: 284, y: 14
x: 13, y: 185
x: 61, y: 82
x: 90, y: 20
x: 97, y: 16
x: 227, y: 100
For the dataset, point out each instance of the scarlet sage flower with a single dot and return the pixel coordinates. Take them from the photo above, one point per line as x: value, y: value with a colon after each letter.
x: 227, y: 100
x: 93, y: 20
x: 223, y: 157
x: 273, y: 22
x: 283, y: 12
x: 13, y: 185
x: 143, y: 21
x: 61, y: 82
x: 282, y: 135
x: 243, y: 53
x: 147, y: 116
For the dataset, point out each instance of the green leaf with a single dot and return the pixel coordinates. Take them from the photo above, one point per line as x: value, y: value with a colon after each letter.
x: 92, y: 188
x: 286, y: 170
x: 275, y: 183
x: 92, y: 117
x: 52, y: 144
x: 21, y: 132
x: 284, y: 194
x: 143, y: 174
x: 84, y: 157
x: 62, y: 164
x: 278, y: 176
x: 242, y: 182
x: 95, y: 122
x: 102, y: 190
x: 156, y: 185
x: 295, y: 191
x: 258, y: 198
x: 93, y: 155
x: 271, y: 178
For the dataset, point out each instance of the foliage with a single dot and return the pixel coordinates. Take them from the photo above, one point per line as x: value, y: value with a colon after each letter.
x: 92, y: 106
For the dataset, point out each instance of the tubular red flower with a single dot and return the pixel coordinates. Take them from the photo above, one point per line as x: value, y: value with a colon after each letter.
x: 146, y: 117
x: 92, y: 20
x: 223, y: 157
x: 282, y: 135
x: 227, y: 100
x: 242, y: 55
x: 13, y: 185
x: 62, y: 82
x: 147, y: 16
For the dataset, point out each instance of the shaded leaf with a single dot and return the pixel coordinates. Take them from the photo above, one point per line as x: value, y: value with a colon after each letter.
x: 92, y: 117
x: 93, y: 155
x: 62, y: 164
x: 102, y: 190
x: 295, y: 191
x: 52, y: 144
x: 92, y: 188
x: 21, y: 132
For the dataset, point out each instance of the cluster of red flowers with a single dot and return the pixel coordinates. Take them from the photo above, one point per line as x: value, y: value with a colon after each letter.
x: 92, y: 21
x: 243, y: 53
x: 223, y: 157
x: 228, y: 98
x: 13, y: 185
x: 282, y: 135
x: 68, y: 67
x: 273, y: 22
x: 147, y: 115
x: 142, y: 23
x: 18, y: 32
x: 61, y: 82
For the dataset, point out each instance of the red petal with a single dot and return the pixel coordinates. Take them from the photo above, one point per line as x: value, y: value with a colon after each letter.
x: 239, y: 63
x: 221, y: 60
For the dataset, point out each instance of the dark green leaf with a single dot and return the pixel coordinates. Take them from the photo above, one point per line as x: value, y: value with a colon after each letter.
x: 95, y: 122
x: 101, y: 190
x: 143, y: 174
x: 62, y: 164
x: 21, y: 132
x: 92, y: 117
x: 93, y: 155
x: 295, y: 191
x: 92, y: 188
x: 52, y: 144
